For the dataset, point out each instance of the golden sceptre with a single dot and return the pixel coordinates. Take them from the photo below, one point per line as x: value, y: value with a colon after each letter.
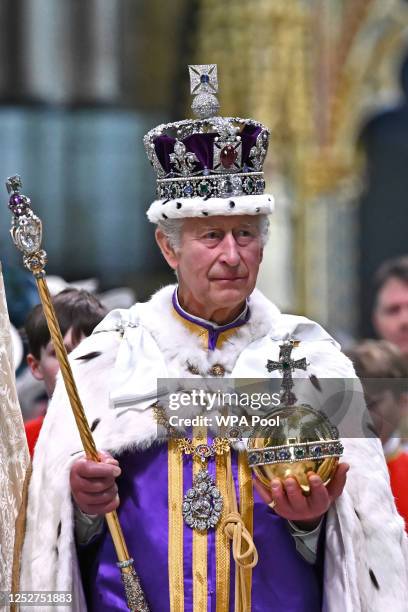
x: 26, y: 232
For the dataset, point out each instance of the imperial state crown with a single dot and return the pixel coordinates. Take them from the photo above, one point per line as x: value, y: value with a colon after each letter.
x: 211, y: 165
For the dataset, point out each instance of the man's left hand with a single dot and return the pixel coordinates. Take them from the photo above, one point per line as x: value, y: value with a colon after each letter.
x: 305, y: 511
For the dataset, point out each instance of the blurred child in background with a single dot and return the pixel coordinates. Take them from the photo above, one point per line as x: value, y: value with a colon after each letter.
x: 78, y: 313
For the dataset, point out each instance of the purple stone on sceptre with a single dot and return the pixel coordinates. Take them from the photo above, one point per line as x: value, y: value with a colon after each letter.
x: 15, y: 200
x: 18, y: 204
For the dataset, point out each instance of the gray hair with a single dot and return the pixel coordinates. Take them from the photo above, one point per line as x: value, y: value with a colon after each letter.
x: 172, y: 229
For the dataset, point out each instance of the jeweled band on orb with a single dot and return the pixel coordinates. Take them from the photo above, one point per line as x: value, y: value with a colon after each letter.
x: 302, y: 451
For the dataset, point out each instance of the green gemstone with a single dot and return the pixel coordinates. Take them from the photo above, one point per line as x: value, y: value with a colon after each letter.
x: 174, y: 191
x: 204, y: 188
x: 285, y: 365
x: 299, y: 453
x: 249, y: 185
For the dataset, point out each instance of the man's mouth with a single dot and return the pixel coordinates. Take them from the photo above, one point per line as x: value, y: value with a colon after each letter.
x: 234, y: 278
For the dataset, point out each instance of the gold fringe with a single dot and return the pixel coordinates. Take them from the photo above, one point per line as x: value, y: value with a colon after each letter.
x: 175, y: 550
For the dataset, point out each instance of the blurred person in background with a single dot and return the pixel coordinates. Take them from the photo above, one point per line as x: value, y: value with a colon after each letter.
x: 390, y: 315
x: 78, y: 313
x: 380, y: 364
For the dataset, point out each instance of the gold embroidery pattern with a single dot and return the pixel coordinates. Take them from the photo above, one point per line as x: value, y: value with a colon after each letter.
x: 175, y: 550
x: 222, y: 543
x: 199, y: 544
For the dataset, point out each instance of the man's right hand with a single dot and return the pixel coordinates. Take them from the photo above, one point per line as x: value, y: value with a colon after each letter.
x: 93, y: 484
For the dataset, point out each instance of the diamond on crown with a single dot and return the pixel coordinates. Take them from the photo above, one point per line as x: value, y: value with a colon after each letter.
x: 183, y: 161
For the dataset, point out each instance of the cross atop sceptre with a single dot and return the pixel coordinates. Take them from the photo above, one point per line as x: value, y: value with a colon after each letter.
x: 286, y: 365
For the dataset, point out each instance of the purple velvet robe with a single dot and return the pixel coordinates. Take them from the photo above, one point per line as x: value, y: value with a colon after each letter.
x: 282, y: 581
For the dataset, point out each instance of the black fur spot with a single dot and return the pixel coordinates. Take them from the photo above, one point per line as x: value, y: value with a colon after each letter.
x: 95, y: 424
x: 207, y: 197
x: 179, y: 205
x: 374, y: 579
x: 257, y: 210
x: 315, y: 382
x: 357, y: 514
x: 164, y: 216
x: 56, y: 551
x: 165, y: 202
x: 205, y: 213
x: 232, y: 204
x: 59, y: 530
x: 269, y: 199
x: 89, y: 356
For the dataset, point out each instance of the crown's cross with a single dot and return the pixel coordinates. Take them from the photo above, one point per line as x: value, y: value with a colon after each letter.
x: 203, y: 86
x: 286, y: 365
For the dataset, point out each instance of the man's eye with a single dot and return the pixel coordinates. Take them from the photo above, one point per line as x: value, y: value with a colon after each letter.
x: 244, y: 236
x: 212, y: 235
x: 392, y: 310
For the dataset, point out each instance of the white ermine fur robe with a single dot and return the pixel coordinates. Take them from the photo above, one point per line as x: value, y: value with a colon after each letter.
x: 365, y: 556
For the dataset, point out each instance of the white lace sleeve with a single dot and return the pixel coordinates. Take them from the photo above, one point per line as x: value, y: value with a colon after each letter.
x: 13, y: 447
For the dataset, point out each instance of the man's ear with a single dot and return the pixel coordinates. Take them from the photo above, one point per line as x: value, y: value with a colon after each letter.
x: 168, y: 252
x: 35, y: 367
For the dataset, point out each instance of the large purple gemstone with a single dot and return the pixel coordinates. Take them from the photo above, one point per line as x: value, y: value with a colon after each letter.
x: 15, y: 200
x: 228, y: 156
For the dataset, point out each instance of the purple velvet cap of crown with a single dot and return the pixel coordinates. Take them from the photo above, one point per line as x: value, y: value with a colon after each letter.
x: 203, y: 147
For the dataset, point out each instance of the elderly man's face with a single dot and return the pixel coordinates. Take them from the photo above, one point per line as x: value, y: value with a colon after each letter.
x: 391, y: 313
x: 217, y: 263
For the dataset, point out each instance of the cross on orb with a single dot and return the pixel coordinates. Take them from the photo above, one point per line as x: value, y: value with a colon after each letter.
x: 286, y: 365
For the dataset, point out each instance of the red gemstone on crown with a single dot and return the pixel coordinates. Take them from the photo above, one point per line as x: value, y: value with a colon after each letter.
x: 228, y: 156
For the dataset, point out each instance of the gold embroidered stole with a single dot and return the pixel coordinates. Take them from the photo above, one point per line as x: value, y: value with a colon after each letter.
x: 199, y: 541
x: 175, y: 552
x: 243, y: 574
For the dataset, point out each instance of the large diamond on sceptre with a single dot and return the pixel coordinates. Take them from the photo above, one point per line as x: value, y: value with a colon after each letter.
x: 304, y: 441
x: 203, y: 86
x: 26, y: 228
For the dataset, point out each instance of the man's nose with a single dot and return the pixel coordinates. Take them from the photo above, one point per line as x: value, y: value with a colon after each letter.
x: 230, y: 251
